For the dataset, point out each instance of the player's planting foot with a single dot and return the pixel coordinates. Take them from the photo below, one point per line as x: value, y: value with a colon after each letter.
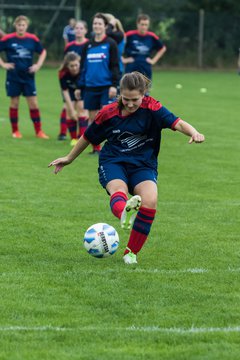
x: 130, y: 258
x: 62, y: 137
x: 73, y: 142
x: 130, y: 211
x: 42, y: 135
x: 16, y: 135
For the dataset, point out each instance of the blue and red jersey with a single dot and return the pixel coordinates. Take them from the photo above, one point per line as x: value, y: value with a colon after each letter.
x: 141, y: 47
x: 75, y: 46
x: 99, y: 64
x: 134, y: 138
x: 20, y: 51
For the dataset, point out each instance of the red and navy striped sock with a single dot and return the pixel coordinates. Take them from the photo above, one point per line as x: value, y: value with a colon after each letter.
x: 13, y: 115
x: 117, y: 203
x: 72, y: 127
x: 140, y: 230
x: 63, y: 123
x: 82, y: 125
x: 36, y: 119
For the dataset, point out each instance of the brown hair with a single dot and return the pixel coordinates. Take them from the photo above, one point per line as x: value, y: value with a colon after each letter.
x: 134, y: 81
x: 101, y: 16
x: 69, y: 57
x: 143, y: 17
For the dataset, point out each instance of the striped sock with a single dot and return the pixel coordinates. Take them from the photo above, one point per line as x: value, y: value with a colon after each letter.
x: 141, y: 228
x: 72, y: 127
x: 63, y: 123
x: 13, y: 115
x: 82, y: 125
x: 117, y: 203
x: 36, y: 119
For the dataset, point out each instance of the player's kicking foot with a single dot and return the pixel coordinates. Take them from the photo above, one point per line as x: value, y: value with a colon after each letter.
x: 130, y: 258
x: 130, y: 211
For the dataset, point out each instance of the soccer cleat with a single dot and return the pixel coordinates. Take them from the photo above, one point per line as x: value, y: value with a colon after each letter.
x: 62, y: 137
x: 130, y: 211
x: 130, y: 258
x: 42, y: 135
x: 73, y: 142
x: 17, y: 135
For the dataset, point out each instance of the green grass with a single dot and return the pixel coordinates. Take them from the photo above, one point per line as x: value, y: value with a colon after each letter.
x: 182, y: 301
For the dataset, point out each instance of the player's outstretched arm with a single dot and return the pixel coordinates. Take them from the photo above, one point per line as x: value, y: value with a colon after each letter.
x: 189, y: 130
x: 59, y: 163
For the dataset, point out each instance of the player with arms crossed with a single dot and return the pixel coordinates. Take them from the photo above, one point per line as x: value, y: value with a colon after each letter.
x: 128, y: 160
x: 140, y: 44
x: 20, y: 47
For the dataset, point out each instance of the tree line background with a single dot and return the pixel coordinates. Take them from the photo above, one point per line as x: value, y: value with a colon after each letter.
x: 177, y: 22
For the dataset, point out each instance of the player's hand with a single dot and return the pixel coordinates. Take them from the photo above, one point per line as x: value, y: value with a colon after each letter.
x: 149, y: 61
x: 74, y: 115
x: 128, y: 60
x: 112, y: 93
x: 33, y: 69
x: 77, y: 94
x: 59, y: 163
x: 8, y: 66
x: 197, y: 138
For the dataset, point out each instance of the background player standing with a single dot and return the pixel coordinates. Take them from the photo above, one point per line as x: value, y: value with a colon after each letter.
x: 99, y: 73
x: 128, y: 160
x: 140, y: 44
x: 20, y: 47
x: 68, y: 31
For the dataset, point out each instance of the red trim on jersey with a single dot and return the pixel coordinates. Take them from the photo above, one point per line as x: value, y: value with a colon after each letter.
x: 175, y: 123
x: 136, y: 32
x: 150, y: 103
x: 25, y: 36
x: 107, y: 112
x: 74, y: 42
x: 62, y: 73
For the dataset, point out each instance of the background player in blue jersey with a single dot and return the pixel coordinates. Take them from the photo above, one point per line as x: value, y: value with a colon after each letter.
x: 68, y: 78
x: 99, y: 69
x: 76, y: 46
x: 140, y: 46
x: 20, y: 47
x: 69, y: 32
x: 128, y: 160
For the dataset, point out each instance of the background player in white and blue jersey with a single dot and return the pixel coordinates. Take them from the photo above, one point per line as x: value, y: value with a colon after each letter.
x: 141, y: 44
x: 99, y: 75
x: 128, y: 160
x: 69, y: 32
x: 20, y: 48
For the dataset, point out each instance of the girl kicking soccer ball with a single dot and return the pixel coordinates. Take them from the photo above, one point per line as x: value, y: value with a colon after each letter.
x: 128, y: 160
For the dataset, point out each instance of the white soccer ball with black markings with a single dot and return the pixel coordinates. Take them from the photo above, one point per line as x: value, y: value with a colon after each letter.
x: 101, y: 240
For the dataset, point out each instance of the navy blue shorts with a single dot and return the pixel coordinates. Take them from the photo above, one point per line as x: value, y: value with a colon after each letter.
x: 131, y: 175
x: 96, y: 99
x: 16, y: 88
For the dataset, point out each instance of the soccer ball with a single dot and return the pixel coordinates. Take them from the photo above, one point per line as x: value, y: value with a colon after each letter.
x: 101, y: 240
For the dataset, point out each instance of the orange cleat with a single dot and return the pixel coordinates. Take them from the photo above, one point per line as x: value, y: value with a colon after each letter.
x: 17, y: 135
x: 42, y: 135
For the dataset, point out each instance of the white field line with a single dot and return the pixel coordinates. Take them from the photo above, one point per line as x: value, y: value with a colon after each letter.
x: 133, y: 328
x: 135, y: 271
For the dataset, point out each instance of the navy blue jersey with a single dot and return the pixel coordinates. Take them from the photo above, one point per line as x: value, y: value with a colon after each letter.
x: 68, y: 82
x: 99, y: 64
x: 141, y: 47
x: 134, y: 139
x: 20, y: 51
x: 75, y: 46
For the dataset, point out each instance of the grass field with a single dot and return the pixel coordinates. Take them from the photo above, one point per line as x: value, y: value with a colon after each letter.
x: 183, y: 299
